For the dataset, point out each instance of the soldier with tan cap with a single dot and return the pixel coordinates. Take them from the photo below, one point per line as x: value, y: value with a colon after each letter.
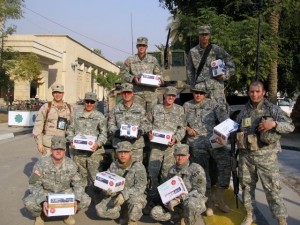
x: 54, y: 174
x: 52, y: 119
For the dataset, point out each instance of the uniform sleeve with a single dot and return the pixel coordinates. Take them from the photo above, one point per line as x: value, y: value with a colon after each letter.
x: 156, y: 69
x: 126, y: 71
x: 112, y: 123
x: 39, y: 124
x: 145, y: 123
x: 190, y: 70
x: 102, y: 126
x: 198, y: 181
x: 221, y: 112
x: 35, y: 184
x: 70, y: 133
x: 139, y: 184
x: 284, y: 122
x: 180, y: 133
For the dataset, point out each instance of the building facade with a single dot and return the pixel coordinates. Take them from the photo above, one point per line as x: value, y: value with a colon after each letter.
x: 63, y: 60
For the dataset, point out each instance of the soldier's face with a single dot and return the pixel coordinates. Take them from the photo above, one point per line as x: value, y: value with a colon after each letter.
x: 127, y: 96
x: 198, y: 96
x: 256, y: 93
x: 181, y: 159
x: 169, y: 99
x: 124, y: 156
x: 142, y: 49
x: 204, y: 39
x: 89, y: 105
x: 57, y: 96
x: 58, y: 154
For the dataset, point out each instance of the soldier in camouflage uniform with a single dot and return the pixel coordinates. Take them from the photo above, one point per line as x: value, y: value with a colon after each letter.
x: 132, y: 69
x: 89, y: 122
x: 261, y: 125
x: 189, y: 207
x: 52, y: 119
x: 202, y: 115
x: 129, y: 113
x: 168, y: 117
x: 215, y: 85
x: 54, y: 174
x: 132, y: 197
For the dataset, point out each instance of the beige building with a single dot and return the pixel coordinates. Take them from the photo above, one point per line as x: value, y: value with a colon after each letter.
x: 63, y: 60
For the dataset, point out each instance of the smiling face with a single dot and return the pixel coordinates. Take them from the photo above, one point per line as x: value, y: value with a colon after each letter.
x: 127, y: 96
x: 57, y: 96
x: 89, y: 105
x: 169, y: 100
x: 141, y: 49
x: 58, y: 154
x: 181, y: 159
x: 124, y: 156
x: 198, y: 96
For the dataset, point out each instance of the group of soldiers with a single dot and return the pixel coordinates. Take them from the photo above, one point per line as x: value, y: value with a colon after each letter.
x: 188, y: 153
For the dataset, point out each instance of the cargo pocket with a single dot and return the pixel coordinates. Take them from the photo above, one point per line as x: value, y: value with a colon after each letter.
x: 241, y: 141
x: 252, y: 142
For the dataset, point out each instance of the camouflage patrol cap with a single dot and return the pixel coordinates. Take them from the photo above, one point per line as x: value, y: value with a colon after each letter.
x: 171, y: 90
x: 204, y: 29
x: 200, y: 87
x: 58, y: 142
x: 124, y: 146
x: 90, y: 96
x: 142, y: 41
x: 181, y: 149
x: 126, y: 87
x: 57, y: 88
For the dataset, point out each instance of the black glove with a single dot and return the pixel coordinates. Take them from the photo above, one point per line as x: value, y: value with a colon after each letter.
x: 117, y: 133
x: 139, y: 133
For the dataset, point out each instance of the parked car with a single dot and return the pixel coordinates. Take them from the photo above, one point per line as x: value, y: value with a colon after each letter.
x: 286, y: 104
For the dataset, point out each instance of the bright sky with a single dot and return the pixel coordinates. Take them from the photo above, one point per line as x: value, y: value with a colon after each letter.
x: 98, y: 24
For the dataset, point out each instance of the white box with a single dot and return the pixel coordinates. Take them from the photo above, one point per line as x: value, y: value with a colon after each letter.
x: 218, y: 67
x: 171, y: 189
x: 61, y: 204
x: 150, y: 79
x: 128, y: 130
x: 224, y: 129
x: 84, y: 142
x: 107, y: 180
x: 213, y: 142
x: 161, y: 137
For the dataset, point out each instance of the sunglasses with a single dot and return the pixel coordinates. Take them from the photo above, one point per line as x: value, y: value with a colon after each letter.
x: 199, y: 92
x: 89, y: 102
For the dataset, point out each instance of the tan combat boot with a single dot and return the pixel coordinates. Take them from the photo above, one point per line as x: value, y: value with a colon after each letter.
x: 249, y: 219
x: 131, y: 222
x: 69, y: 220
x: 282, y: 221
x: 39, y: 220
x: 220, y: 201
x: 210, y: 206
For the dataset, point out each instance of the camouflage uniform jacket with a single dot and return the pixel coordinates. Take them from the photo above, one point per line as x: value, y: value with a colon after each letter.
x: 94, y: 124
x: 134, y: 66
x: 265, y: 108
x: 203, y: 117
x: 193, y: 62
x: 172, y: 120
x: 193, y: 177
x: 51, y: 123
x: 46, y: 178
x: 135, y: 115
x: 135, y: 179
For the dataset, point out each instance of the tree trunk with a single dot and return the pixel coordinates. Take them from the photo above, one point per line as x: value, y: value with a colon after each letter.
x: 273, y: 20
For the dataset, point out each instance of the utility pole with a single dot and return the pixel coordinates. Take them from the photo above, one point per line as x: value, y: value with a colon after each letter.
x: 259, y: 4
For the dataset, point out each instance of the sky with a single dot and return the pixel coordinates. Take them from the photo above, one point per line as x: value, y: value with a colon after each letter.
x: 110, y: 25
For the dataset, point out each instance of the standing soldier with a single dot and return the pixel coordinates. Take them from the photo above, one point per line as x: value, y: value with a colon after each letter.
x: 202, y: 115
x: 52, y: 119
x: 261, y: 126
x: 168, y: 117
x: 129, y: 113
x: 132, y: 196
x: 199, y: 65
x: 190, y: 206
x: 89, y: 122
x: 54, y: 174
x: 132, y: 70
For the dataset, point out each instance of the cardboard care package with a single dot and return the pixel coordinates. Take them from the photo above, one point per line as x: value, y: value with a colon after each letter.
x: 107, y: 180
x: 150, y: 79
x: 84, y: 142
x: 61, y: 204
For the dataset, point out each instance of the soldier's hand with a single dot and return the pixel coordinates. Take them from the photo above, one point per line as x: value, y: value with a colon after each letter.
x: 137, y: 80
x: 139, y: 133
x: 119, y: 200
x: 220, y: 77
x: 173, y: 203
x: 266, y: 125
x: 172, y: 142
x: 41, y: 148
x: 117, y: 133
x: 75, y: 206
x: 45, y: 208
x: 72, y: 145
x: 191, y: 132
x: 150, y: 135
x: 95, y: 147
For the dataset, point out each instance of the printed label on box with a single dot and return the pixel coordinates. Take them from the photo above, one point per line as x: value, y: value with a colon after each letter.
x: 128, y: 130
x: 84, y: 142
x: 150, y: 79
x: 161, y: 137
x: 107, y: 180
x: 61, y: 204
x: 218, y: 67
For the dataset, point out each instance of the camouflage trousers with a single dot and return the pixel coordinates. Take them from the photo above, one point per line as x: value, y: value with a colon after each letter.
x: 36, y: 209
x: 190, y: 210
x: 160, y: 161
x: 147, y: 99
x: 265, y: 166
x: 89, y: 164
x: 221, y: 157
x: 134, y: 205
